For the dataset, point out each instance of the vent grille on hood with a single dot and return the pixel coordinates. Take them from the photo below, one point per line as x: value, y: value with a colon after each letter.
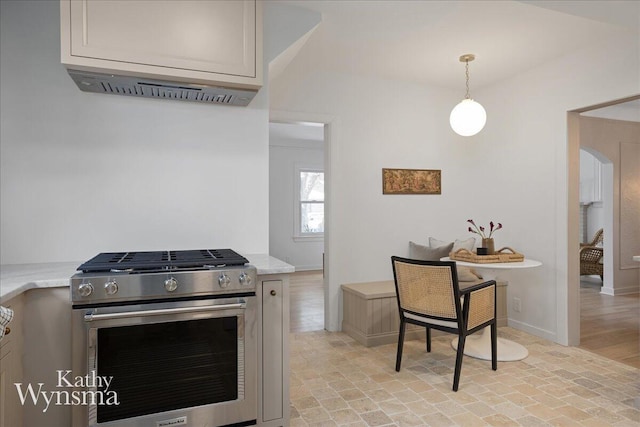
x: 133, y: 86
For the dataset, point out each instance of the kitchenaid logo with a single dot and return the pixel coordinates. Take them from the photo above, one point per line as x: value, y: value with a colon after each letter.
x: 172, y: 422
x: 101, y: 396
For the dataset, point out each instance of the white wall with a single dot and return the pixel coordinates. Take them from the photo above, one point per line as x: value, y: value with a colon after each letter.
x: 285, y: 155
x: 530, y: 130
x: 379, y: 124
x: 514, y: 171
x: 86, y: 173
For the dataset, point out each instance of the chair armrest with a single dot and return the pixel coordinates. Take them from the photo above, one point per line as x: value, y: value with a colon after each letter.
x: 469, y: 289
x: 479, y: 303
x: 591, y: 254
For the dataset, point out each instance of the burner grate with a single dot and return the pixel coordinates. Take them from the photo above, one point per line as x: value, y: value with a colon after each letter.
x: 162, y: 260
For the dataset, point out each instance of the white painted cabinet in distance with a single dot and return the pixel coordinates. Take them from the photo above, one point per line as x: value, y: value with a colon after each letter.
x: 207, y: 42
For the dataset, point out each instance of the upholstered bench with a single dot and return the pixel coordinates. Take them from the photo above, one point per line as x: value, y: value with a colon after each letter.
x: 370, y: 312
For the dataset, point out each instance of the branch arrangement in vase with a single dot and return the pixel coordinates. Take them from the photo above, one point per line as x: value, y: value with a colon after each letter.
x: 481, y: 230
x: 487, y: 239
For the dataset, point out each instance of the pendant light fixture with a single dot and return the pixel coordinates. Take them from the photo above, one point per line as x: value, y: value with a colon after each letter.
x: 468, y: 117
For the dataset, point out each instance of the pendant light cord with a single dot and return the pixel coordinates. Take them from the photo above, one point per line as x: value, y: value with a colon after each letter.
x: 467, y: 74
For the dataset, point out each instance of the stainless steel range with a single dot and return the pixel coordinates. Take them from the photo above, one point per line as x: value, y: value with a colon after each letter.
x: 168, y: 337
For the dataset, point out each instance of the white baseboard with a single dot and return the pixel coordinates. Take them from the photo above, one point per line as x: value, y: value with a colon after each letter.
x: 607, y: 291
x: 308, y: 267
x: 538, y: 332
x: 628, y: 290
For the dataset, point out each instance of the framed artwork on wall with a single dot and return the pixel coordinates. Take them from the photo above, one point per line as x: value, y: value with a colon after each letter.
x: 411, y: 181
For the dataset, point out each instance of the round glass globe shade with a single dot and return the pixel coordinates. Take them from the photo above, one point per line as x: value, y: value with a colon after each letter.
x: 467, y: 118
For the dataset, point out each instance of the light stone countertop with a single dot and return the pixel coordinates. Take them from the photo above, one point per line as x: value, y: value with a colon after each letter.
x: 266, y: 264
x: 16, y: 279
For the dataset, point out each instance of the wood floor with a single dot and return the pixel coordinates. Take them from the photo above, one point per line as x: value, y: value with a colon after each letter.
x: 610, y: 326
x: 306, y: 301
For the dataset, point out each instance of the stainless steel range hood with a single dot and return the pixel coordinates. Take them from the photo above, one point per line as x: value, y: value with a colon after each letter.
x: 150, y: 88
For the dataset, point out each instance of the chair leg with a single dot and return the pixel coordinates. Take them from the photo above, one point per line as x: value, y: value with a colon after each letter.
x: 400, y: 345
x: 459, y: 355
x: 494, y: 346
x: 428, y: 339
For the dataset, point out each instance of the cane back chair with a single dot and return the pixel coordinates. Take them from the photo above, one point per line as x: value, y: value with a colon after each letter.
x: 591, y: 256
x: 597, y: 240
x: 428, y: 295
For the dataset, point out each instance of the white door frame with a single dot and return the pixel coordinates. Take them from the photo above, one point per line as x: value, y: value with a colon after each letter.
x: 331, y: 291
x: 569, y: 297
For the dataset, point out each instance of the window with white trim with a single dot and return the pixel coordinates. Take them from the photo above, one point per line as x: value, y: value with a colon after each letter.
x: 310, y: 203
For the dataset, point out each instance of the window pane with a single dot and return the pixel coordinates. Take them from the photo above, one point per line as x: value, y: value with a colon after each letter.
x: 312, y: 217
x: 312, y: 186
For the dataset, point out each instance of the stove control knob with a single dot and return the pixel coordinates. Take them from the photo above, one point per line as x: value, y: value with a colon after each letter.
x: 171, y: 284
x: 85, y: 289
x: 111, y: 287
x: 224, y: 280
x: 245, y: 279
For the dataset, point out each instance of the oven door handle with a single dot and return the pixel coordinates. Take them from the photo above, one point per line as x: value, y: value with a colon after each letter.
x: 89, y: 317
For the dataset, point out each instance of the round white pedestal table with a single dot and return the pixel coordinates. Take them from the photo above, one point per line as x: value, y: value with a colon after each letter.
x: 479, y: 345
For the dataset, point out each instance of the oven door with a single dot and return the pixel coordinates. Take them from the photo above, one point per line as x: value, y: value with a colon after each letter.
x: 188, y: 363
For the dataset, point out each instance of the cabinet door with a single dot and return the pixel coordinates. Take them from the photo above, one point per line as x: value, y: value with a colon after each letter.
x: 272, y: 349
x: 8, y: 405
x: 206, y: 36
x: 11, y: 368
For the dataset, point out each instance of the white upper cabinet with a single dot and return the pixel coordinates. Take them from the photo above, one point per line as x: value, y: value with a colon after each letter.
x: 201, y: 41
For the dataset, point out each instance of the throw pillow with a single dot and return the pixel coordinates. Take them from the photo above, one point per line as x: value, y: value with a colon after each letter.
x: 425, y: 253
x: 435, y: 243
x: 466, y: 274
x: 467, y: 244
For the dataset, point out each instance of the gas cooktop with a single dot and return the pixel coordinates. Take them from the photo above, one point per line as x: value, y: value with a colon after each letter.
x: 162, y: 260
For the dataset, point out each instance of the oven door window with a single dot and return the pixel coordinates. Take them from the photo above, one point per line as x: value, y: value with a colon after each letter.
x: 167, y: 366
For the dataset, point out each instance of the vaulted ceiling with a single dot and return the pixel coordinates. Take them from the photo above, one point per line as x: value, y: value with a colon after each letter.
x: 421, y: 41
